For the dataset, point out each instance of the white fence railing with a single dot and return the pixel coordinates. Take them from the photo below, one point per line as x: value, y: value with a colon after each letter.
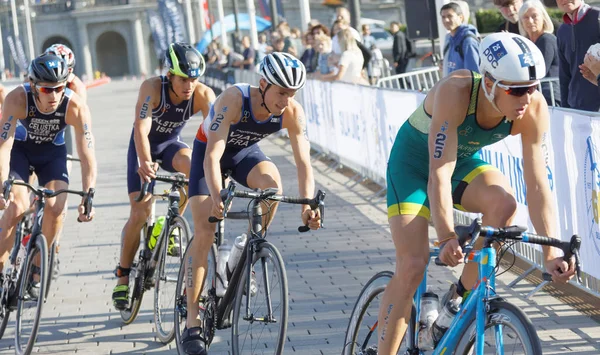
x: 420, y: 80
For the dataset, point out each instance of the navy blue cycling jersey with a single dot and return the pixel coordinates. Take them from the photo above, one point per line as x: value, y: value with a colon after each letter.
x: 168, y: 119
x: 40, y: 129
x: 248, y: 130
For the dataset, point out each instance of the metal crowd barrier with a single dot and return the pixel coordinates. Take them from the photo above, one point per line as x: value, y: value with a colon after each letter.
x: 421, y: 80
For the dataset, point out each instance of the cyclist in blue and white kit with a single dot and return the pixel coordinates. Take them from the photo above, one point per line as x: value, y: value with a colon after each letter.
x: 242, y: 116
x: 164, y: 106
x: 34, y: 118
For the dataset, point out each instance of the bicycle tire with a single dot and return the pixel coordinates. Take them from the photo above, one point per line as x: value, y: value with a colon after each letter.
x: 184, y: 234
x: 181, y: 299
x: 374, y: 287
x: 264, y: 250
x: 5, y: 314
x: 137, y: 291
x: 40, y: 246
x: 509, y: 315
x: 51, y: 262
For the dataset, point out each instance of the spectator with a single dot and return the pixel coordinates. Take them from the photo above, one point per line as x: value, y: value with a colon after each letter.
x: 278, y: 44
x: 284, y: 30
x: 510, y: 11
x: 535, y: 24
x: 232, y: 59
x: 310, y: 57
x: 323, y: 46
x: 249, y: 54
x: 213, y: 54
x: 461, y: 50
x: 263, y: 47
x: 351, y: 61
x: 296, y: 36
x: 376, y: 65
x: 318, y: 30
x: 342, y: 13
x: 368, y: 39
x: 464, y: 6
x: 341, y: 24
x: 578, y: 32
x: 399, y: 49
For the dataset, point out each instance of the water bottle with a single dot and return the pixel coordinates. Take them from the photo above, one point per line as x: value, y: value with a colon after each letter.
x: 444, y: 320
x: 222, y: 257
x: 428, y: 315
x: 22, y: 251
x: 236, y: 253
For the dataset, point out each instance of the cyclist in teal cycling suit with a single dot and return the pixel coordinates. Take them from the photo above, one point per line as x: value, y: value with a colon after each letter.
x: 435, y: 158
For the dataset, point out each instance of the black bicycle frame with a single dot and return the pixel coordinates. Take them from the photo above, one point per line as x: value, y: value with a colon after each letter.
x: 251, y: 247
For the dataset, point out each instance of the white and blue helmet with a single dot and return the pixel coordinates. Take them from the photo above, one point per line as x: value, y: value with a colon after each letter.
x: 283, y: 70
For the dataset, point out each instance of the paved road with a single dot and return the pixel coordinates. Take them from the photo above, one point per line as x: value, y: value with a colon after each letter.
x: 326, y: 269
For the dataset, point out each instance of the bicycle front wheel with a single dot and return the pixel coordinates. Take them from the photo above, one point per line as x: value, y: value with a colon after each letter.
x: 167, y: 270
x: 30, y: 303
x: 260, y: 318
x: 507, y: 331
x: 4, y: 316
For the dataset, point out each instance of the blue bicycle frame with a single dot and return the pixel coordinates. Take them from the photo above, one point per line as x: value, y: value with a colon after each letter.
x: 475, y: 302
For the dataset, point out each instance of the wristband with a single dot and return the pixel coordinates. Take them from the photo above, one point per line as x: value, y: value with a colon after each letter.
x: 450, y: 237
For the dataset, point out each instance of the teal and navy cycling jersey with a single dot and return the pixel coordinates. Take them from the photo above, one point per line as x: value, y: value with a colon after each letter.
x: 169, y: 119
x: 248, y: 130
x: 39, y: 129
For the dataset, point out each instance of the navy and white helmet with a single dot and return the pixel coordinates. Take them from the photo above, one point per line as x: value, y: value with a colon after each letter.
x: 48, y: 68
x: 283, y: 70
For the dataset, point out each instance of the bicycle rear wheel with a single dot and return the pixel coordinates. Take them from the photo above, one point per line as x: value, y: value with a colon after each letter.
x: 167, y: 271
x: 207, y: 299
x: 362, y: 327
x: 51, y: 262
x: 265, y: 328
x: 4, y: 318
x: 508, y: 328
x: 26, y: 329
x: 137, y: 280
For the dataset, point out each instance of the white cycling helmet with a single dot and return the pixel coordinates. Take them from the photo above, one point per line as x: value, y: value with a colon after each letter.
x: 64, y: 52
x: 509, y: 57
x: 283, y: 70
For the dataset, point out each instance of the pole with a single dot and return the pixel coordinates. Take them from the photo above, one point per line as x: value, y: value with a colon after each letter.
x: 29, y: 30
x: 355, y: 14
x: 190, y: 22
x: 304, y: 14
x: 2, y: 63
x: 202, y: 15
x: 237, y: 35
x: 274, y: 14
x: 13, y: 9
x: 222, y: 22
x: 252, y: 18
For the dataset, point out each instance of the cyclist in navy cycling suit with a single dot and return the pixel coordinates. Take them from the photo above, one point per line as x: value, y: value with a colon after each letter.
x: 164, y: 106
x: 34, y: 118
x: 240, y: 118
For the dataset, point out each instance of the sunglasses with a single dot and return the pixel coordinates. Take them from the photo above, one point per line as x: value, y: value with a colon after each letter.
x: 517, y: 90
x: 49, y: 90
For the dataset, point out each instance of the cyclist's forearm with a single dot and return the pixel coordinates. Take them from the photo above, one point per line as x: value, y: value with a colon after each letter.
x: 542, y: 214
x: 440, y: 201
x: 89, y: 170
x: 306, y: 182
x: 4, y: 162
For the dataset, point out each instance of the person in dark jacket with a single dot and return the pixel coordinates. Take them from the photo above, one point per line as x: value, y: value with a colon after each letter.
x: 579, y: 31
x: 510, y: 11
x: 535, y: 24
x: 399, y: 49
x: 310, y: 57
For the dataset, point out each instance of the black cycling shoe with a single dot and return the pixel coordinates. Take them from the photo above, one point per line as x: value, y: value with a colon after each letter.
x: 192, y: 341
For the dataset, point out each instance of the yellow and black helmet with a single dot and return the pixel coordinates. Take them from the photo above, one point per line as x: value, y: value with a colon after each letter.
x: 184, y: 60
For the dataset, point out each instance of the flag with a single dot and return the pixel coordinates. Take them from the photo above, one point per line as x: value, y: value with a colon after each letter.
x: 157, y: 29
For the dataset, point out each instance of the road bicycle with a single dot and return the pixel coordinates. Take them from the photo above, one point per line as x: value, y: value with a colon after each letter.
x: 16, y: 294
x: 485, y: 324
x: 259, y: 307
